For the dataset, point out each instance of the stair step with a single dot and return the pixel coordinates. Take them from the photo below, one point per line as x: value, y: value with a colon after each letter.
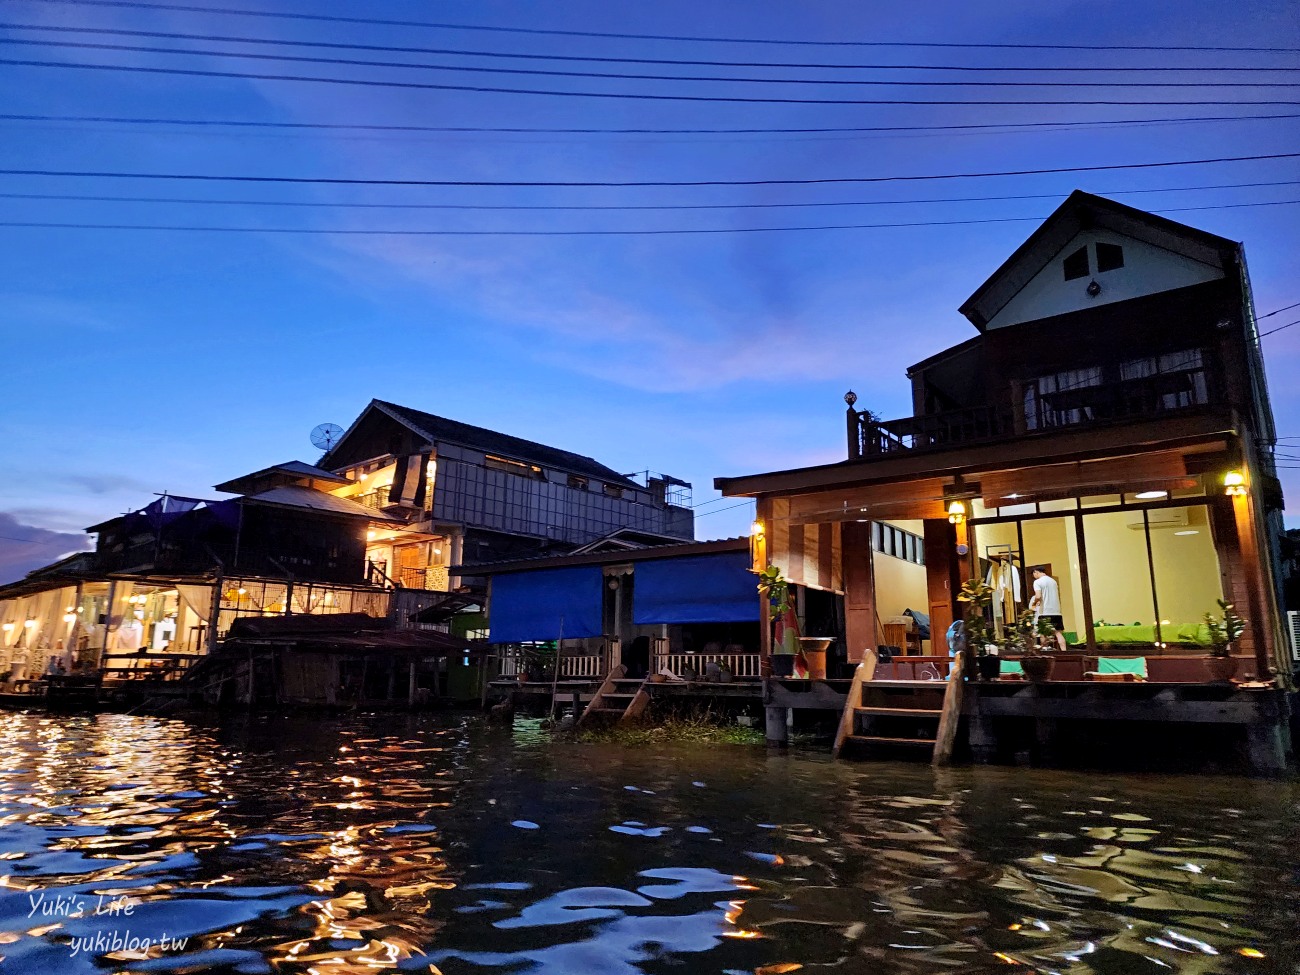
x: 877, y: 740
x: 900, y: 712
x: 619, y: 695
x: 934, y: 685
x: 628, y: 680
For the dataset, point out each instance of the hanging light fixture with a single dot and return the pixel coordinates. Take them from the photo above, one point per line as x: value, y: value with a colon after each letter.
x: 1234, y: 484
x: 956, y: 512
x: 69, y: 617
x: 8, y: 627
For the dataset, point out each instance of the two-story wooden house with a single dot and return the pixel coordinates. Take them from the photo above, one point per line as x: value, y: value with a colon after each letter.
x: 1108, y: 424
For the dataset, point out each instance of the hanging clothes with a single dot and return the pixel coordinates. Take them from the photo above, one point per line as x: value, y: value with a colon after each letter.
x: 1004, y: 580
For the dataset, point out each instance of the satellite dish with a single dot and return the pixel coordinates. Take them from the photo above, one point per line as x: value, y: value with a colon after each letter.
x: 325, y: 436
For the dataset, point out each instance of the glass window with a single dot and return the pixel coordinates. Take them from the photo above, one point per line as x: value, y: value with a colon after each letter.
x: 1099, y: 501
x: 1110, y: 257
x: 1188, y: 583
x: 1119, y: 579
x: 1064, y: 504
x: 978, y: 509
x: 1076, y: 265
x: 1053, y: 544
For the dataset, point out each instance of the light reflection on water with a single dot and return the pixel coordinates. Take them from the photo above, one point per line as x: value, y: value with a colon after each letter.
x: 392, y: 843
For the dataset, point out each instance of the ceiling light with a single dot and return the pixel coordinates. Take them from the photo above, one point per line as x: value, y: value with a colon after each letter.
x: 1191, y: 531
x: 1150, y: 495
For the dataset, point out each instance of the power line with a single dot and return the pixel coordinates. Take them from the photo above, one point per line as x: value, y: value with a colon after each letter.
x: 1271, y: 331
x: 633, y: 96
x: 828, y: 130
x: 226, y: 11
x: 631, y: 76
x: 352, y: 181
x: 1277, y: 311
x: 615, y: 207
x: 605, y: 59
x: 350, y: 232
x: 730, y: 507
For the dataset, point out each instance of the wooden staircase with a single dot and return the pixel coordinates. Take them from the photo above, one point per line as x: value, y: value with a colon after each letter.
x: 620, y: 698
x: 900, y: 716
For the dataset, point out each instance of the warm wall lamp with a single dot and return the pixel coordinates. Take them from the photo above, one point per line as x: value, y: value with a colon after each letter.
x: 956, y: 512
x: 756, y: 529
x: 1234, y: 484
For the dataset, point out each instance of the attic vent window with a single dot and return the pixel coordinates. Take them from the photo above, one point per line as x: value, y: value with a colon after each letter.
x: 577, y: 481
x: 1109, y: 257
x: 613, y: 491
x: 1076, y: 265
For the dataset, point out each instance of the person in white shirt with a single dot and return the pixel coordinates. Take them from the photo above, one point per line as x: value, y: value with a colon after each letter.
x: 1046, y: 603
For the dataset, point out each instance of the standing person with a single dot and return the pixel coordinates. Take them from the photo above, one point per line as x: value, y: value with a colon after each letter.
x: 1046, y: 602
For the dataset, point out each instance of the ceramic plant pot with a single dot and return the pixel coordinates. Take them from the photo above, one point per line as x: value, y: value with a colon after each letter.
x: 989, y: 666
x: 782, y: 664
x: 1037, y: 668
x: 814, y: 652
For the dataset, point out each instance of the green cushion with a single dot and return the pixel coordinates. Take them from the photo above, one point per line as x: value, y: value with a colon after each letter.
x: 1011, y: 667
x: 1122, y: 665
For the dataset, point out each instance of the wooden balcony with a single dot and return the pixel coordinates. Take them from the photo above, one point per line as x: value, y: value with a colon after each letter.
x: 1034, y: 411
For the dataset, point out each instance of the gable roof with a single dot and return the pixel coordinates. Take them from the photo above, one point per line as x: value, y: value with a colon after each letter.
x: 293, y: 470
x: 1079, y: 212
x: 436, y: 429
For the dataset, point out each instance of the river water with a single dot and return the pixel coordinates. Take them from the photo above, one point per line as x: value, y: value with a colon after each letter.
x: 398, y: 843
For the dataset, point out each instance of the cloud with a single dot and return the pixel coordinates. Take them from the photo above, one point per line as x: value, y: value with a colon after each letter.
x: 24, y: 547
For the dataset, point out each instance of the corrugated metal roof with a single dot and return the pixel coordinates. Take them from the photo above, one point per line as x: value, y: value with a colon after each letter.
x: 292, y: 496
x: 292, y: 468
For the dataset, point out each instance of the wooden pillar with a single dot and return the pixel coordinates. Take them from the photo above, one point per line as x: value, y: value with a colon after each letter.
x: 1258, y: 585
x: 777, y: 728
x: 942, y: 579
x: 859, y: 590
x: 763, y: 514
x: 983, y: 742
x: 411, y: 684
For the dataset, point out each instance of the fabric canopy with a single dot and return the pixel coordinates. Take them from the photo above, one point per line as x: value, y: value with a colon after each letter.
x: 696, y: 589
x: 543, y: 605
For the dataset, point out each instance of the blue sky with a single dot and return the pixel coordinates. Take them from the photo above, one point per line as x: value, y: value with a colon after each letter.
x: 142, y: 361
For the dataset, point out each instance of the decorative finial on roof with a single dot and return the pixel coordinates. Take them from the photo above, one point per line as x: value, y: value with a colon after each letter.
x: 850, y: 397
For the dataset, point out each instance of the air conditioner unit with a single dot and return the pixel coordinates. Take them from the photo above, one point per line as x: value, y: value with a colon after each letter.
x: 1293, y: 631
x: 1160, y: 518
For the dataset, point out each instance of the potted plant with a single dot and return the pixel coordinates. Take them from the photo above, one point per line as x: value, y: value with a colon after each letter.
x: 1031, y: 633
x: 1224, y: 631
x: 977, y: 596
x: 776, y: 589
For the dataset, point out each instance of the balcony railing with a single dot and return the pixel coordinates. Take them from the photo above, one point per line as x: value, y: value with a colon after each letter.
x: 1035, y: 409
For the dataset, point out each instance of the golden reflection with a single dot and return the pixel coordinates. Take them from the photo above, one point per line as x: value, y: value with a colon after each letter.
x: 780, y: 968
x: 1250, y: 952
x: 743, y: 934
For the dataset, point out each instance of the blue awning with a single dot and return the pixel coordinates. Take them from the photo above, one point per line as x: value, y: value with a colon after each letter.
x: 696, y: 589
x: 528, y: 606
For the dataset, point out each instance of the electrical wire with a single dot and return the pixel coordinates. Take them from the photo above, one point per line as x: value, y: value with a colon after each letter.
x: 1277, y: 311
x: 633, y: 96
x: 553, y: 32
x: 817, y: 181
x: 321, y: 204
x: 599, y: 59
x: 825, y: 130
x: 1273, y: 331
x: 676, y: 232
x: 631, y: 76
